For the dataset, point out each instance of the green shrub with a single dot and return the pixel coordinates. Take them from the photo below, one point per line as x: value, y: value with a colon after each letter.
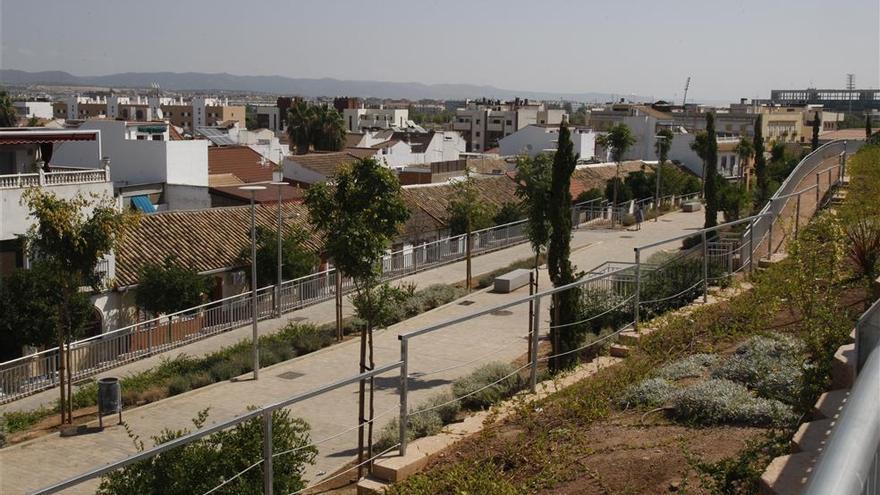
x: 305, y: 339
x: 449, y: 409
x: 418, y: 426
x: 200, y: 380
x: 85, y: 396
x: 715, y: 401
x: 652, y: 392
x: 3, y: 431
x: 627, y: 220
x: 694, y: 366
x: 478, y: 390
x: 225, y: 370
x: 179, y: 385
x: 772, y: 367
x: 459, y: 478
x: 22, y: 420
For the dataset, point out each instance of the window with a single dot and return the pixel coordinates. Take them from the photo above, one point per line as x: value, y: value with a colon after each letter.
x: 478, y: 121
x: 478, y: 133
x: 509, y: 122
x: 157, y: 137
x: 141, y: 137
x: 476, y: 146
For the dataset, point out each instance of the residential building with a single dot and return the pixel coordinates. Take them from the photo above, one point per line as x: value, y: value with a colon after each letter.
x: 728, y: 164
x: 147, y: 161
x: 644, y: 122
x: 543, y: 138
x: 361, y: 118
x: 30, y: 109
x: 317, y: 167
x: 406, y: 149
x: 484, y: 123
x: 269, y: 117
x: 200, y: 111
x: 27, y: 159
x: 230, y: 167
x: 839, y: 100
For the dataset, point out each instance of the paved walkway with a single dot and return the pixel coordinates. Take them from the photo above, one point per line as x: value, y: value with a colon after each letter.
x: 499, y: 336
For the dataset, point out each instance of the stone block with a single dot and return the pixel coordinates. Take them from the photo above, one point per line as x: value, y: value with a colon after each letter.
x: 511, y: 281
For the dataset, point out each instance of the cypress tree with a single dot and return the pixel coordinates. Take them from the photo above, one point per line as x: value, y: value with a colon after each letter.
x: 564, y: 308
x: 710, y: 178
x: 815, y: 143
x: 760, y: 163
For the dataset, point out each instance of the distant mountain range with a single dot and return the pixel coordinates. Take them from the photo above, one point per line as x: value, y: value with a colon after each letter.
x: 195, y: 81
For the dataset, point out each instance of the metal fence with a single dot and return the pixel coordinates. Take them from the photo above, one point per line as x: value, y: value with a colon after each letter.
x: 624, y: 287
x: 850, y: 461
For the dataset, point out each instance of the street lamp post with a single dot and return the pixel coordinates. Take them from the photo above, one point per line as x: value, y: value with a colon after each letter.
x: 280, y: 236
x: 255, y: 344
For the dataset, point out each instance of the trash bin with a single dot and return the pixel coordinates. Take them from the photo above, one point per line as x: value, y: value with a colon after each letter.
x: 109, y: 398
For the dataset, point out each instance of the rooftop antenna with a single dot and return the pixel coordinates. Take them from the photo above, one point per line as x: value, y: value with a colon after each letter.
x: 687, y: 84
x: 850, y: 86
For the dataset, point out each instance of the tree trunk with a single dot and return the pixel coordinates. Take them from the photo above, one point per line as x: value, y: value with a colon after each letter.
x: 69, y: 381
x: 614, y: 197
x: 468, y: 257
x: 361, y: 404
x: 372, y: 407
x: 339, y: 333
x: 62, y: 370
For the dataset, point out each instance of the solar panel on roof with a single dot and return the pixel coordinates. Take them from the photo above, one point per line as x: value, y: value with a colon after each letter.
x: 216, y: 136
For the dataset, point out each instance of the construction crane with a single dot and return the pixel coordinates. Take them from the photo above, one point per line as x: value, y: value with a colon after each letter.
x: 687, y: 85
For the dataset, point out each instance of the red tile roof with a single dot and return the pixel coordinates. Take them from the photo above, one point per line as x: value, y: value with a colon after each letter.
x: 239, y: 161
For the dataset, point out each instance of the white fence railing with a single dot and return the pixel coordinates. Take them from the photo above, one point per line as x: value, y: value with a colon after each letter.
x: 64, y: 177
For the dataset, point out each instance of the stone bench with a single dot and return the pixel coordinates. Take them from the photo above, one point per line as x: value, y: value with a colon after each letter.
x: 691, y: 206
x: 511, y: 281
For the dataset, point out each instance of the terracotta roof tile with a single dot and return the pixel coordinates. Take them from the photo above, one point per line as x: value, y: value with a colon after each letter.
x: 206, y: 240
x: 327, y: 164
x: 240, y: 161
x: 586, y: 178
x: 434, y: 199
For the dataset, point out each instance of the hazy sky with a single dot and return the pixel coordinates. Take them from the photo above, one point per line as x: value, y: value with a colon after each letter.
x: 729, y: 48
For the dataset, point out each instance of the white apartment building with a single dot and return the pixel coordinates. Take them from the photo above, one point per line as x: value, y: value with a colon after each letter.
x: 534, y: 139
x: 146, y: 161
x: 728, y: 164
x: 403, y: 150
x: 27, y: 159
x: 29, y: 109
x: 484, y: 124
x: 359, y: 119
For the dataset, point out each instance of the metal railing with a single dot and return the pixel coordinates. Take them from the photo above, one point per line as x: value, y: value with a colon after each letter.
x: 40, y: 371
x: 850, y: 462
x: 621, y: 283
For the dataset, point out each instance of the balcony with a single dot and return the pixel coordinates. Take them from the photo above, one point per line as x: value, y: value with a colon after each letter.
x: 63, y: 177
x: 461, y: 126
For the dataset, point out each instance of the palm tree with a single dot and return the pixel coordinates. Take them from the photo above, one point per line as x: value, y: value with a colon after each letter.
x: 700, y: 147
x: 745, y: 150
x: 618, y: 141
x: 300, y: 122
x: 8, y: 115
x: 328, y: 131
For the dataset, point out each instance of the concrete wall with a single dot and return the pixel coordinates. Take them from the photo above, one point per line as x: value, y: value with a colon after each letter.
x: 186, y: 162
x: 39, y: 109
x: 297, y: 172
x: 183, y: 197
x: 15, y: 217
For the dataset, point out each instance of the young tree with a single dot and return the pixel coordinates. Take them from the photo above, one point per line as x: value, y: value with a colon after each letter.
x: 467, y: 212
x: 661, y: 148
x: 169, y: 287
x: 8, y: 115
x: 508, y: 213
x: 815, y: 141
x: 359, y: 213
x: 203, y: 464
x: 619, y: 139
x: 70, y: 242
x: 745, y: 150
x: 760, y: 163
x: 296, y: 260
x: 533, y: 180
x: 564, y: 309
x: 868, y: 131
x: 34, y: 291
x: 710, y: 178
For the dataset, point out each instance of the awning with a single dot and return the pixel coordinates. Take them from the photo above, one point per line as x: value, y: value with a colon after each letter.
x: 152, y: 129
x: 143, y: 204
x: 26, y: 137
